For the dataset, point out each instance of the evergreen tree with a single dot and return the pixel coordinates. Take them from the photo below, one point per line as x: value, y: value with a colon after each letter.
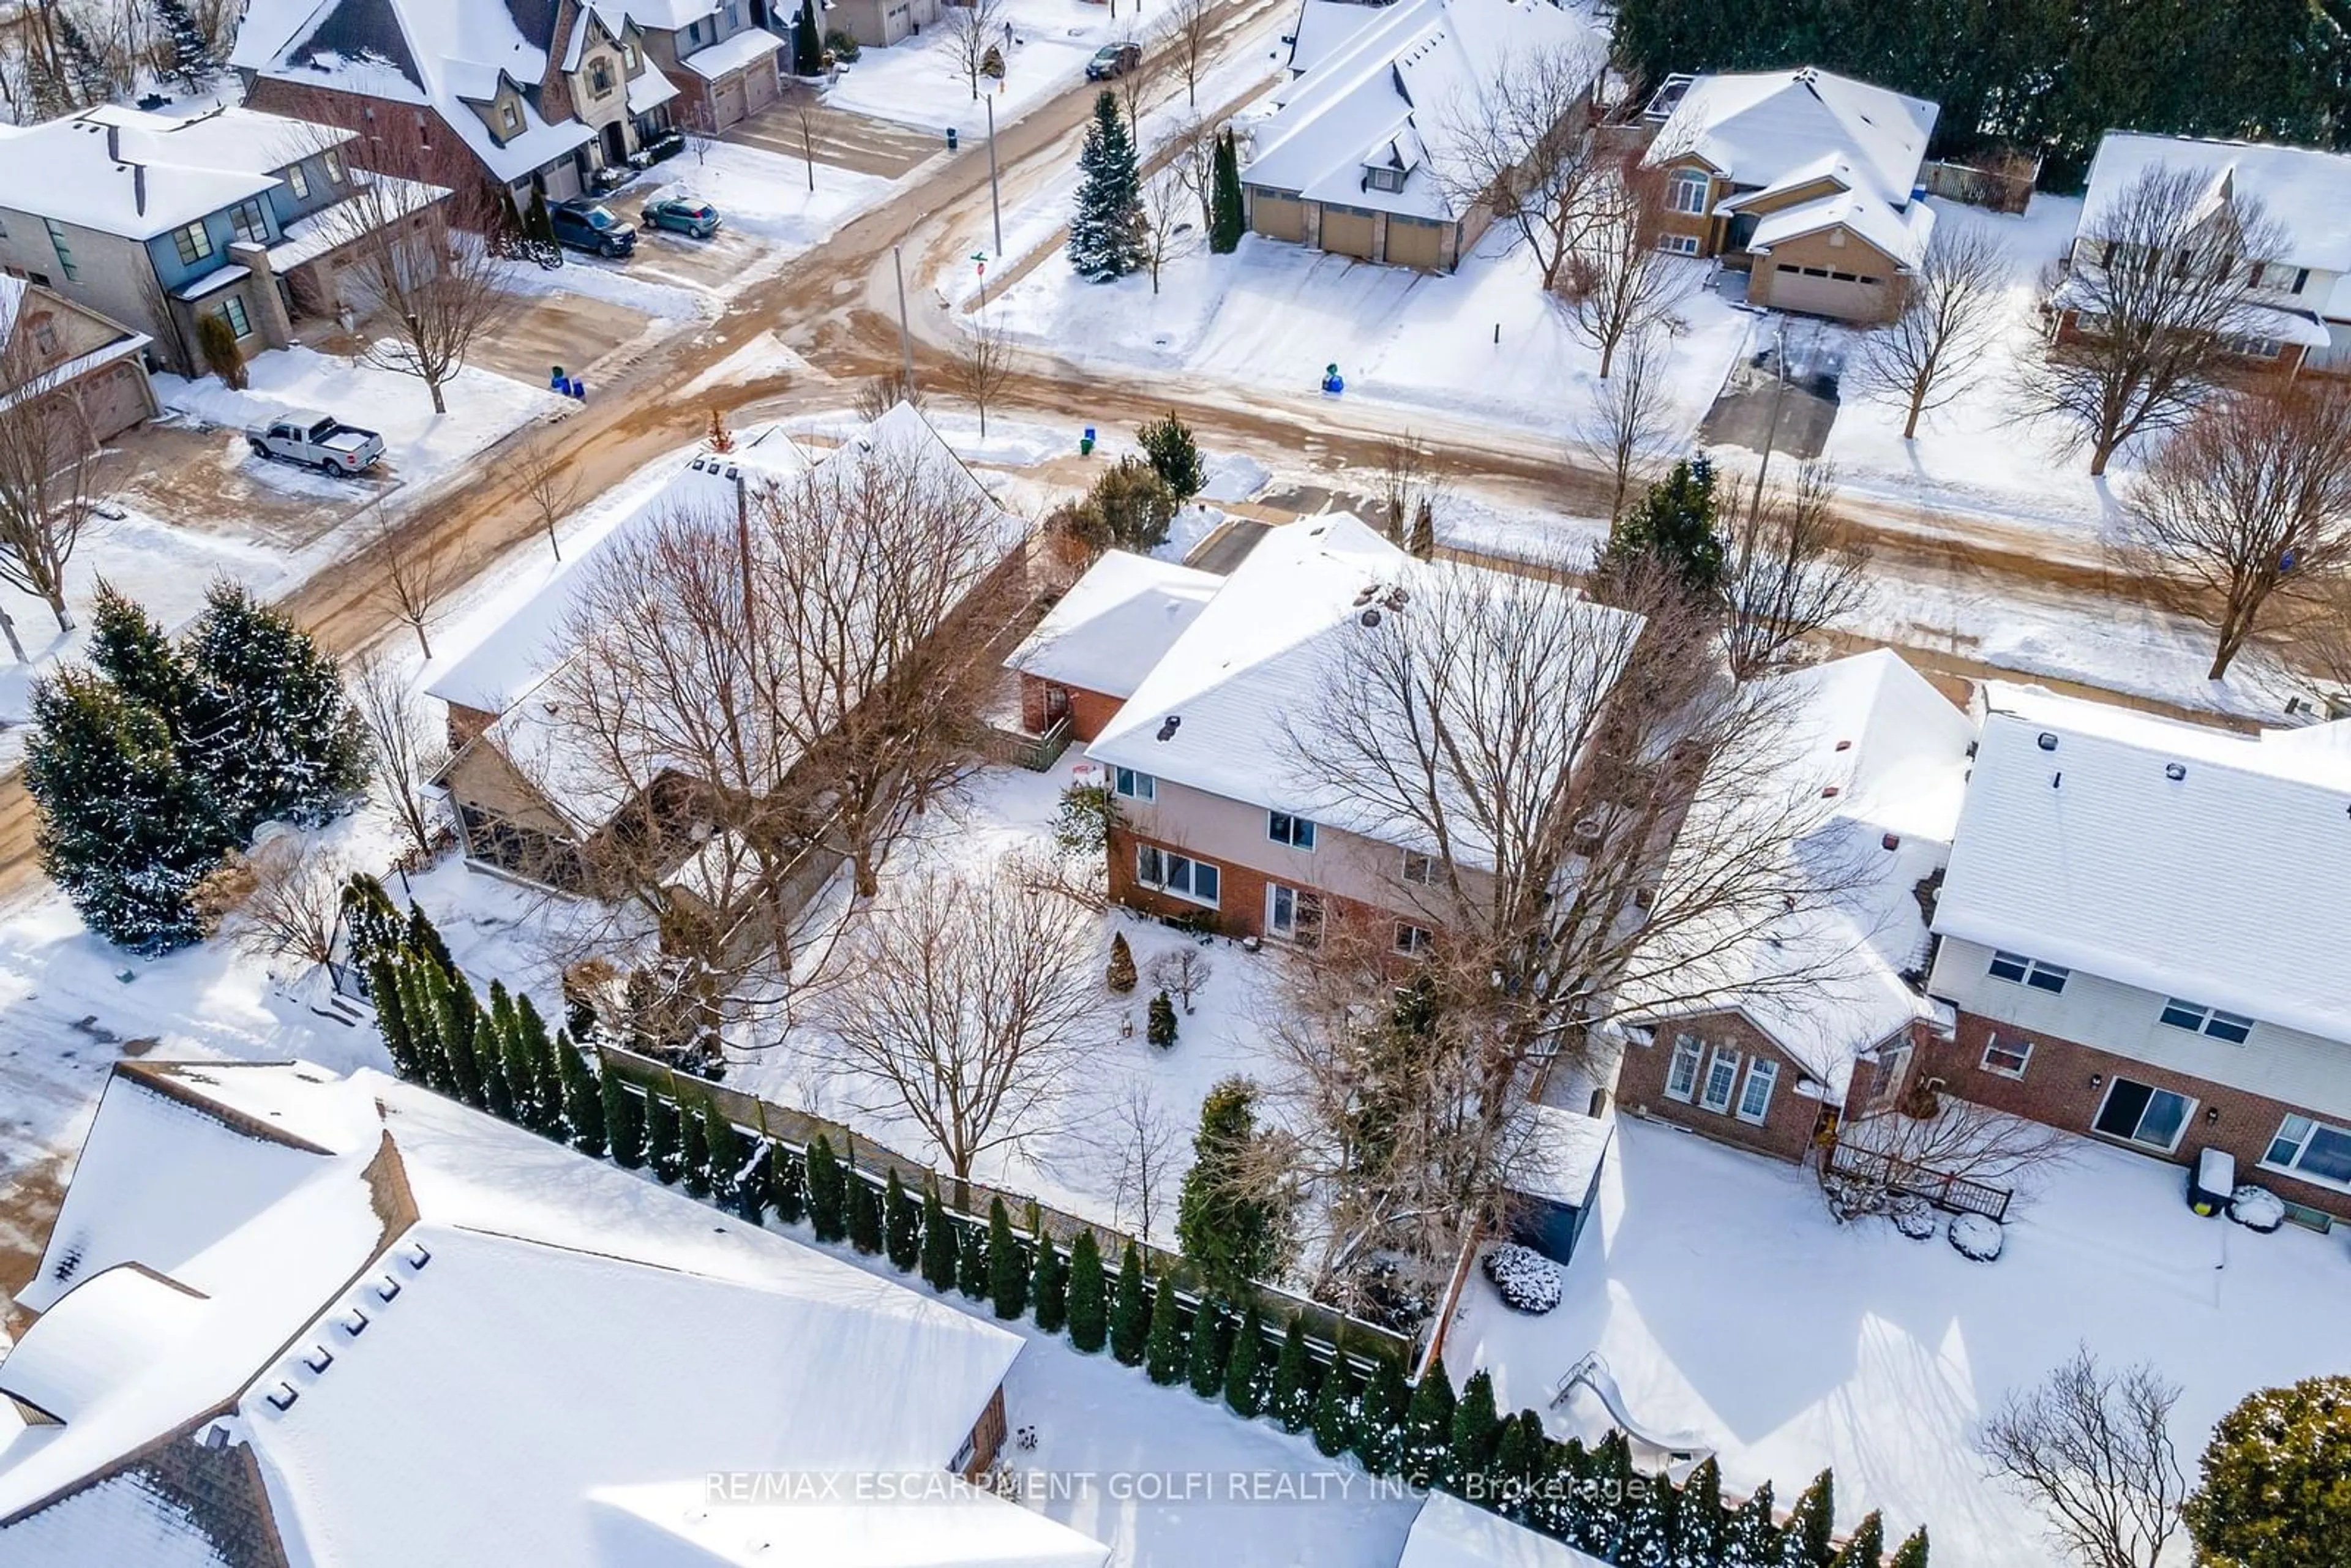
x: 1290, y: 1401
x: 808, y: 51
x: 1129, y: 1310
x: 1089, y: 1313
x: 1752, y: 1540
x: 549, y: 1092
x: 421, y: 1016
x: 662, y: 1138
x: 1204, y: 1365
x: 1230, y: 1229
x: 536, y: 223
x: 1162, y: 1346
x: 939, y: 1249
x: 463, y: 1031
x: 902, y: 1224
x: 1477, y: 1430
x: 1422, y: 542
x: 1120, y: 976
x: 971, y: 1262
x: 582, y: 1098
x: 1647, y: 1538
x: 135, y: 656
x: 864, y: 1216
x: 126, y: 831
x: 2276, y: 1478
x: 723, y: 1146
x: 1334, y: 1418
x: 1601, y: 1528
x: 1049, y: 1285
x: 1559, y: 1504
x: 1911, y: 1554
x: 1008, y: 1271
x: 624, y: 1122
x: 269, y: 728
x: 828, y: 1192
x: 1517, y: 1460
x: 1173, y: 456
x: 1160, y: 1026
x: 391, y: 1017
x: 788, y: 1185
x: 506, y: 1071
x: 1106, y: 229
x: 1705, y: 1523
x: 1674, y: 527
x: 1225, y: 226
x: 1866, y: 1548
x: 191, y: 52
x: 1244, y: 1382
x: 1811, y: 1529
x: 425, y: 938
x: 694, y: 1152
x: 1428, y: 1427
x: 1379, y: 1419
x: 753, y: 1186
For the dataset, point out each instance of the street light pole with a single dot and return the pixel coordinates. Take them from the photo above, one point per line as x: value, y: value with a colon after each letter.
x: 905, y: 338
x: 995, y: 208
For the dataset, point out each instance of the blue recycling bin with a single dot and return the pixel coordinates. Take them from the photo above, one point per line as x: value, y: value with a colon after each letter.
x: 952, y: 135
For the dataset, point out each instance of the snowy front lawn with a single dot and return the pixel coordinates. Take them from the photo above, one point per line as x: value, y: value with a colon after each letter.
x: 921, y: 82
x: 1727, y: 1302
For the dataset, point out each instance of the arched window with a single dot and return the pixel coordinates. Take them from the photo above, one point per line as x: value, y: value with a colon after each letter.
x: 1686, y: 192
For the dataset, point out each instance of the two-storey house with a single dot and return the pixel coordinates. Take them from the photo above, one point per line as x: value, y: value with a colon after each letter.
x: 153, y: 222
x: 2142, y: 932
x: 725, y: 56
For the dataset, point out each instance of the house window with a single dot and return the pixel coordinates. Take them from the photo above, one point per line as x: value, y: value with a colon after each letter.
x: 45, y: 335
x: 1678, y: 244
x: 1284, y: 829
x: 1721, y: 1075
x: 2198, y: 1019
x: 2301, y: 276
x: 1686, y: 191
x: 2023, y: 971
x: 1755, y: 1100
x: 734, y: 15
x: 510, y: 118
x: 600, y: 77
x: 2007, y: 1056
x: 629, y: 53
x: 1134, y: 786
x: 297, y: 182
x: 2311, y: 1149
x: 1179, y: 875
x: 1681, y: 1075
x: 1414, y: 941
x: 192, y: 244
x: 233, y: 312
x: 247, y: 219
x: 2140, y: 1113
x: 1419, y: 870
x: 65, y: 256
x: 1381, y: 179
x: 692, y: 34
x: 333, y: 159
x: 2252, y: 347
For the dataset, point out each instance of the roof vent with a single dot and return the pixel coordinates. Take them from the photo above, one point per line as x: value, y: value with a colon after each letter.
x: 386, y: 1288
x: 1831, y: 791
x: 2047, y: 741
x: 319, y: 1358
x: 2175, y: 771
x: 1844, y: 746
x: 417, y: 1254
x: 1369, y: 618
x: 283, y: 1395
x: 354, y: 1322
x: 1892, y: 841
x: 1168, y: 725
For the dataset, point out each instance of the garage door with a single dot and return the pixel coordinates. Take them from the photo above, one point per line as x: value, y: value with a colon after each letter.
x: 1415, y: 244
x: 726, y: 101
x: 760, y: 87
x: 1279, y: 217
x: 1347, y: 234
x: 1816, y: 291
x: 112, y: 400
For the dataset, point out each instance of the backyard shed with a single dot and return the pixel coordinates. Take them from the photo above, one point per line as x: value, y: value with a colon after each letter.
x: 1559, y: 1182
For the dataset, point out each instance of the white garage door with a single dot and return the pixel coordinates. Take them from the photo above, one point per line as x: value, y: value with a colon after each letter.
x: 1819, y: 291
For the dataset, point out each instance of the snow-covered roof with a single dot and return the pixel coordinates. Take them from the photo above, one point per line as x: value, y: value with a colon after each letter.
x: 748, y: 47
x: 1561, y: 1151
x: 1886, y: 756
x: 552, y: 1356
x: 308, y: 238
x: 2223, y: 884
x: 1450, y: 1533
x: 1394, y: 93
x: 1759, y: 127
x: 1324, y: 26
x: 1900, y: 232
x: 1115, y: 623
x: 2306, y: 193
x: 123, y: 172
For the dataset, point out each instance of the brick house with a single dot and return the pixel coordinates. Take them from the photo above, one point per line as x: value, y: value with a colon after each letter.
x: 1805, y: 180
x: 725, y: 56
x: 52, y: 349
x: 1102, y: 637
x: 1774, y: 1041
x: 2141, y: 934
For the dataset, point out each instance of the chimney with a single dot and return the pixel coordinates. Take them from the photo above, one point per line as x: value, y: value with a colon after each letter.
x: 114, y: 142
x: 139, y: 189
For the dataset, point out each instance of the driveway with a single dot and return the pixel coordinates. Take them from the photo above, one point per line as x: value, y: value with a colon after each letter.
x: 1785, y: 409
x: 835, y: 136
x: 207, y: 482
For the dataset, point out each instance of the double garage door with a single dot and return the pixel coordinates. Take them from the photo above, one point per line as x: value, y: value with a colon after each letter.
x: 1820, y: 291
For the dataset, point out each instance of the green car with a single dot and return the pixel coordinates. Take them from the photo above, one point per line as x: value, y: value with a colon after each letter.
x: 683, y: 214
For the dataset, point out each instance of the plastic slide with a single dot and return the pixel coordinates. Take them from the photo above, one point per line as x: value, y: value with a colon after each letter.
x: 1594, y: 1373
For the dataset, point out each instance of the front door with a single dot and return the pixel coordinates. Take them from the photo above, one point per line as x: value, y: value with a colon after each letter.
x: 1293, y: 914
x: 616, y: 145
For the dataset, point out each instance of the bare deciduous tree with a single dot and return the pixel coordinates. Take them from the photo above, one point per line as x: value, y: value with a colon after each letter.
x: 1166, y: 233
x: 52, y: 471
x: 2248, y: 503
x: 2156, y: 293
x: 2094, y: 1449
x: 1618, y: 282
x: 974, y: 30
x: 544, y: 476
x: 294, y: 902
x: 1149, y: 1145
x: 1184, y: 28
x: 1181, y: 973
x: 1929, y: 1137
x: 1523, y: 148
x: 1792, y: 567
x: 877, y: 395
x: 1140, y: 85
x: 1193, y: 156
x: 1409, y: 477
x: 408, y: 748
x: 1932, y: 350
x: 416, y: 575
x: 963, y: 1004
x: 1628, y: 431
x: 983, y: 363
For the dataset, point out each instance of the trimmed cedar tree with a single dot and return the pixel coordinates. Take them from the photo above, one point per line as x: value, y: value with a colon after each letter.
x: 1243, y: 1378
x: 1751, y: 1537
x: 1867, y: 1545
x: 1089, y: 1310
x: 1379, y: 1423
x: 1162, y: 1346
x: 1204, y: 1364
x: 693, y: 1156
x: 1048, y: 1284
x: 1428, y: 1427
x: 1129, y: 1310
x: 827, y: 1191
x: 1911, y: 1554
x: 1811, y: 1530
x: 865, y: 1217
x: 787, y: 1185
x: 723, y: 1146
x: 1120, y: 976
x: 1008, y: 1269
x: 902, y: 1224
x: 2275, y: 1486
x: 1295, y: 1380
x: 1160, y: 1027
x: 662, y: 1138
x: 1334, y: 1419
x: 940, y: 1252
x: 971, y: 1263
x: 1703, y: 1522
x: 1477, y: 1428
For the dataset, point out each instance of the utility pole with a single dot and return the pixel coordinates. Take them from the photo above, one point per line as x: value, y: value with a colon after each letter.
x: 905, y: 338
x: 995, y: 208
x: 1779, y: 391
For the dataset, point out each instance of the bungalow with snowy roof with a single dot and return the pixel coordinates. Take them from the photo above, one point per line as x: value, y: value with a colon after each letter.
x: 155, y: 222
x: 1098, y: 640
x: 2142, y: 933
x: 2296, y: 306
x: 1357, y: 158
x: 1818, y: 1022
x: 1806, y: 180
x: 286, y: 1316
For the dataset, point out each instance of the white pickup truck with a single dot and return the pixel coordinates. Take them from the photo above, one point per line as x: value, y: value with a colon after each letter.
x: 317, y: 440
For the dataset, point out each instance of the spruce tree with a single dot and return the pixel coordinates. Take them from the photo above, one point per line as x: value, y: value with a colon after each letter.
x: 902, y: 1224
x: 624, y: 1122
x: 135, y: 656
x: 126, y: 829
x: 1089, y: 1311
x: 694, y: 1152
x: 1752, y: 1540
x: 1911, y: 1554
x: 1674, y: 528
x: 1225, y: 226
x: 1049, y: 1285
x: 808, y: 51
x: 1230, y: 1227
x: 1162, y: 1346
x: 1865, y: 1547
x: 1334, y: 1419
x: 1106, y: 237
x: 1120, y: 976
x: 1428, y: 1427
x: 723, y: 1147
x: 1704, y: 1523
x: 1007, y: 1269
x: 971, y: 1262
x: 939, y: 1249
x: 828, y: 1192
x: 268, y: 726
x: 663, y: 1152
x: 1203, y: 1361
x: 864, y: 1216
x: 582, y: 1097
x: 1477, y: 1428
x: 1811, y: 1529
x: 1379, y: 1420
x: 1291, y: 1400
x: 1174, y: 457
x: 1646, y: 1540
x: 788, y: 1185
x: 1130, y: 1312
x: 1243, y: 1380
x: 1159, y: 1027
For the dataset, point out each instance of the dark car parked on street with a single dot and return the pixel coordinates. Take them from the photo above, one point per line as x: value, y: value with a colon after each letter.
x: 1114, y: 60
x: 588, y: 226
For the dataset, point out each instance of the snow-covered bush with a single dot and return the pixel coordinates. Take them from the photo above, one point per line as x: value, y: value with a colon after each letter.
x: 1976, y: 1237
x: 1913, y: 1215
x: 1528, y: 1280
x: 2257, y: 1208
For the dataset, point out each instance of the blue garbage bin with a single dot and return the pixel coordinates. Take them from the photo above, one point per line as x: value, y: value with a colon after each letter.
x: 951, y: 138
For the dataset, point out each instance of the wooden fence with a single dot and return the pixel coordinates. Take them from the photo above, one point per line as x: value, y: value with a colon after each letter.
x: 1329, y: 1332
x: 2003, y: 189
x: 1941, y: 1188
